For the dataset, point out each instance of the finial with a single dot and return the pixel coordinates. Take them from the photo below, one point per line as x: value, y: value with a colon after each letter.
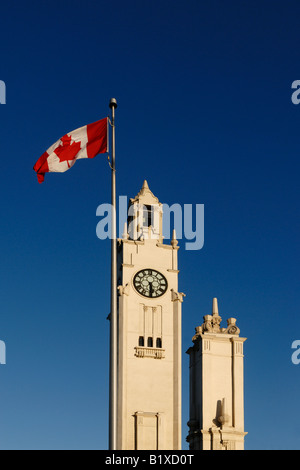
x: 145, y: 185
x: 215, y: 309
x: 113, y: 103
x: 174, y: 241
x: 125, y: 235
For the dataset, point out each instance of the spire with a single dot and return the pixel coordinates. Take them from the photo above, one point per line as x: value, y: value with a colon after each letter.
x: 215, y: 309
x: 174, y: 241
x: 146, y: 194
x: 145, y: 185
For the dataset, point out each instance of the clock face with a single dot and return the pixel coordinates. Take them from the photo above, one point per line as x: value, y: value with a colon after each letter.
x: 150, y: 283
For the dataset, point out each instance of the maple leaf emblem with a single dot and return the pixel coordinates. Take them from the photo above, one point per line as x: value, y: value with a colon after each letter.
x: 67, y: 151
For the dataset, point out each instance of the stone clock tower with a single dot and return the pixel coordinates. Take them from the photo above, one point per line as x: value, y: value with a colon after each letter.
x: 149, y: 331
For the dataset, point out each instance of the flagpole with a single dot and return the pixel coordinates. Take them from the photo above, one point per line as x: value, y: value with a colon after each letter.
x: 113, y: 312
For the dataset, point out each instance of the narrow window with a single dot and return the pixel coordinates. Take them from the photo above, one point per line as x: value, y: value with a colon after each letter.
x: 150, y: 342
x: 158, y: 342
x: 130, y: 220
x: 147, y: 216
x: 141, y: 341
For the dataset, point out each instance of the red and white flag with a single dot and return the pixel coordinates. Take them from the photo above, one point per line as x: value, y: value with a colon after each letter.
x: 85, y: 142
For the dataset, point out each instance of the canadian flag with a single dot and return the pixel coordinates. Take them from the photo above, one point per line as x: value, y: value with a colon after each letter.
x: 85, y: 142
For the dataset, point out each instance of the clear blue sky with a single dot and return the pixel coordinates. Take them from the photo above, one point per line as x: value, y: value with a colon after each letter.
x: 205, y: 115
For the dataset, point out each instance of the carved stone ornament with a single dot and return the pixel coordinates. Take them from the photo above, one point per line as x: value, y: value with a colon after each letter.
x: 124, y: 290
x: 232, y: 329
x: 207, y: 325
x: 177, y: 296
x: 198, y: 331
x: 216, y: 321
x: 212, y: 324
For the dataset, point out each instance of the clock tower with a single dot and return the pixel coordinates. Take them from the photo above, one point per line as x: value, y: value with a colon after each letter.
x: 149, y: 331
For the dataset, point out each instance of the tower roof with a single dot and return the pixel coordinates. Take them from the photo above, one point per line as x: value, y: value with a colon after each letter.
x: 145, y: 196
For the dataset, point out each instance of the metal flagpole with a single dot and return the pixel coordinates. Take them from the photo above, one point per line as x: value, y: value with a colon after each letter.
x: 113, y: 299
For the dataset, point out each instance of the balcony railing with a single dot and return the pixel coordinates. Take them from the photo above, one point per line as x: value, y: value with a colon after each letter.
x: 156, y: 353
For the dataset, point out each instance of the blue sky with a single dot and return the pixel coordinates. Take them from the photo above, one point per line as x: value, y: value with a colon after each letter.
x: 205, y: 115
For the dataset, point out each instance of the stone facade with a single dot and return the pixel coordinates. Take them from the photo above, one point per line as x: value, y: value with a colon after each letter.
x: 149, y: 332
x: 216, y: 385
